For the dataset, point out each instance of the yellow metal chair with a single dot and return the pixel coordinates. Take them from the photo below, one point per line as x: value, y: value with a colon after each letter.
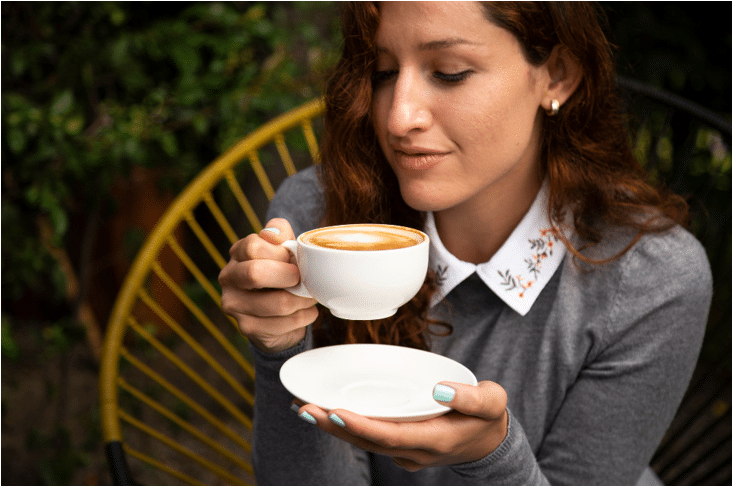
x: 176, y: 383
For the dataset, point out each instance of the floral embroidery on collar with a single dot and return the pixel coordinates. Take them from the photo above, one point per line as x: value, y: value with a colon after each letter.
x: 440, y: 274
x: 518, y: 271
x: 542, y: 248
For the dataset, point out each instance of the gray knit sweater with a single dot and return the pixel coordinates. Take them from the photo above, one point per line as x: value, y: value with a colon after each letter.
x: 594, y: 372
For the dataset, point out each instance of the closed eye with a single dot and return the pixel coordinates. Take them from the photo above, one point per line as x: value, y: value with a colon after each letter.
x: 379, y: 77
x: 452, y: 77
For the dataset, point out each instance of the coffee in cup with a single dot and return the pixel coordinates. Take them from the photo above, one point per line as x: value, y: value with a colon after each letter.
x: 360, y: 271
x: 363, y: 237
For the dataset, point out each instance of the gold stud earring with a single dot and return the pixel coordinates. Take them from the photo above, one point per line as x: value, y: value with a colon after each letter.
x: 555, y: 106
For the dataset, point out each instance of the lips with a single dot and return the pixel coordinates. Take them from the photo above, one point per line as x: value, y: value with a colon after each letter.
x: 418, y: 158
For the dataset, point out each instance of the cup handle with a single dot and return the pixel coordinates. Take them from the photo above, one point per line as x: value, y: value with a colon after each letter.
x: 300, y: 289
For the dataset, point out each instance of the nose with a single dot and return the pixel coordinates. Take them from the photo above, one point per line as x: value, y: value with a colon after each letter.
x: 410, y: 108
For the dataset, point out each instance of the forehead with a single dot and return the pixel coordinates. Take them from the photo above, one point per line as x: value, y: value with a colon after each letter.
x: 424, y: 21
x: 432, y: 28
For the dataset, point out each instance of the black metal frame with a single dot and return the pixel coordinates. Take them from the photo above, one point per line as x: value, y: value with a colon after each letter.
x: 119, y: 469
x: 704, y: 115
x: 697, y: 447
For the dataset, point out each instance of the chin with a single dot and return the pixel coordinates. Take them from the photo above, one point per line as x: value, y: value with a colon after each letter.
x: 426, y: 200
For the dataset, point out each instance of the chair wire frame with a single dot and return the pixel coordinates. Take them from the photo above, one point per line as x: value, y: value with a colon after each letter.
x: 176, y: 382
x: 688, y: 147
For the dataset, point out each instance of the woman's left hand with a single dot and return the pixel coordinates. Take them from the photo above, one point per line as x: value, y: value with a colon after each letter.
x: 475, y: 427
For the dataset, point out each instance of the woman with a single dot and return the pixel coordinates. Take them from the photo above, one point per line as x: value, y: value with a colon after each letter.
x: 559, y: 277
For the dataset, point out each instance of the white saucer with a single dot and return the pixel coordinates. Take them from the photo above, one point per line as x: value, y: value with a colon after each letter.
x: 378, y: 381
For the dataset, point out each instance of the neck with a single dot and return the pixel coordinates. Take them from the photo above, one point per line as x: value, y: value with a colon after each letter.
x: 475, y: 230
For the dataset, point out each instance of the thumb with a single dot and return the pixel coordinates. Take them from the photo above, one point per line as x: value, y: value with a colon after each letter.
x: 276, y: 231
x: 487, y: 400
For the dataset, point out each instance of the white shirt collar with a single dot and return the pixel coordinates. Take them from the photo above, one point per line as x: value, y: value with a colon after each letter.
x: 519, y: 270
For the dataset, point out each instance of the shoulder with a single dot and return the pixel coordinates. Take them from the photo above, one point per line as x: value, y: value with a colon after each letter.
x: 672, y: 262
x: 661, y: 285
x: 299, y: 199
x: 303, y: 184
x: 671, y: 259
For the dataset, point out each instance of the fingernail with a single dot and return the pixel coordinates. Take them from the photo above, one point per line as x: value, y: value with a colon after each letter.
x: 338, y: 421
x: 307, y: 417
x: 295, y: 407
x: 272, y: 230
x: 443, y: 393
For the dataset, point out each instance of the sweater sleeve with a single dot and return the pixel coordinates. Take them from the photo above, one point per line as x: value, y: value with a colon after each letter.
x: 626, y: 394
x: 287, y: 450
x: 299, y: 200
x: 513, y: 462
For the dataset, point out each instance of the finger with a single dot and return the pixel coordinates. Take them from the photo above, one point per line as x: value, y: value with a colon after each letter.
x: 407, y: 464
x: 263, y: 303
x: 393, y: 439
x: 254, y: 247
x: 487, y: 400
x: 297, y: 406
x: 332, y: 423
x: 273, y: 303
x: 381, y: 436
x: 266, y: 244
x: 326, y: 422
x: 277, y: 230
x: 259, y: 274
x: 270, y: 329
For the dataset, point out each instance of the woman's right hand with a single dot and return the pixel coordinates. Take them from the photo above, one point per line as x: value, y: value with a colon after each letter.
x: 252, y: 283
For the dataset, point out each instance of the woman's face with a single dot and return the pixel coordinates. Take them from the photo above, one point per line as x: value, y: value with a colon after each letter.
x: 455, y: 106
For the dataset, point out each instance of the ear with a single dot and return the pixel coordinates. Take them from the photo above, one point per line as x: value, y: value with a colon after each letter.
x: 564, y: 76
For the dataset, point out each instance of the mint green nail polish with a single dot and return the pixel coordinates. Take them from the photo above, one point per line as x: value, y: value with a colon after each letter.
x: 338, y: 421
x: 443, y: 393
x: 272, y: 230
x: 307, y: 417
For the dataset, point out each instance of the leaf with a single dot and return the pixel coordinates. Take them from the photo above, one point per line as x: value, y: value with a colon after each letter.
x: 186, y: 58
x: 74, y: 125
x: 8, y: 345
x: 117, y: 16
x: 62, y: 104
x: 169, y: 144
x: 59, y: 220
x: 33, y: 194
x: 16, y: 140
x: 255, y: 12
x: 507, y: 280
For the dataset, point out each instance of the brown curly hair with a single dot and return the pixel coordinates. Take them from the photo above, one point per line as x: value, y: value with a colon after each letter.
x: 594, y: 179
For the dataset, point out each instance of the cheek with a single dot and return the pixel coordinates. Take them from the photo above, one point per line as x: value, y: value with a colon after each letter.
x: 479, y: 130
x: 500, y: 134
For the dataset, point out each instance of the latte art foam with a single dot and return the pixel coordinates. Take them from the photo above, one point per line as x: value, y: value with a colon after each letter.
x: 363, y: 237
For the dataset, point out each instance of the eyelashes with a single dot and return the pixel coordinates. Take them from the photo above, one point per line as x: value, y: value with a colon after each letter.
x: 452, y: 77
x: 379, y: 77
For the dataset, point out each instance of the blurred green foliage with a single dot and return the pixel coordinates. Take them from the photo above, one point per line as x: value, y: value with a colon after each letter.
x: 91, y: 89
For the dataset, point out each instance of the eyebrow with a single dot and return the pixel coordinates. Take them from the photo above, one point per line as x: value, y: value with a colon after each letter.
x: 437, y: 45
x: 444, y: 43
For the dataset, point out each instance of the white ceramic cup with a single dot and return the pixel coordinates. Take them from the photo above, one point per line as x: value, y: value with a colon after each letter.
x: 360, y: 284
